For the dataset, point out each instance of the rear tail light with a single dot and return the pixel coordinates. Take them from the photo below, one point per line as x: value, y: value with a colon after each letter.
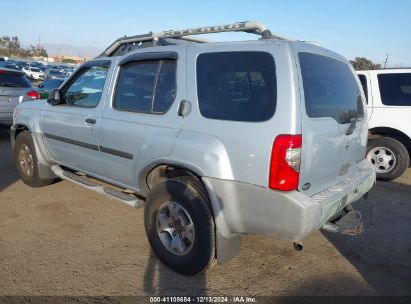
x: 285, y: 162
x: 33, y: 94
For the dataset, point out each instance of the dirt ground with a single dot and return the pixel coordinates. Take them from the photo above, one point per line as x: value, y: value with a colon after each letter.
x: 65, y: 240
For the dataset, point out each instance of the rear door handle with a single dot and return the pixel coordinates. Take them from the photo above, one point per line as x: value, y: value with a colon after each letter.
x: 91, y: 121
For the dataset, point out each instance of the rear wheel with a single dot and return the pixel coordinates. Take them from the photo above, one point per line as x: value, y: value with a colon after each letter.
x: 26, y: 161
x: 389, y: 157
x: 179, y: 225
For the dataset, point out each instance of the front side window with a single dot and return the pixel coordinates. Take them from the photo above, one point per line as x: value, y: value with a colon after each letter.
x: 330, y: 88
x: 395, y: 89
x: 147, y: 86
x: 237, y: 86
x: 86, y: 88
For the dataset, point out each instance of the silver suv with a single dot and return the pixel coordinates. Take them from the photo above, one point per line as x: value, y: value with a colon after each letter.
x: 214, y: 139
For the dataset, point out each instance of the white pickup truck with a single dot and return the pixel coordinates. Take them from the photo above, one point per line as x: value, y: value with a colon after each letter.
x: 388, y: 94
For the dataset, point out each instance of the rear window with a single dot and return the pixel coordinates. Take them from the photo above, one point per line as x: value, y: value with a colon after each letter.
x: 395, y: 89
x: 52, y: 83
x: 238, y: 86
x: 13, y: 80
x: 146, y: 86
x: 330, y: 88
x: 35, y: 69
x: 363, y: 81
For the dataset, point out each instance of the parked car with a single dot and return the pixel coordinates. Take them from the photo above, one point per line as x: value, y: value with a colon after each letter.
x: 388, y: 95
x: 14, y: 89
x: 55, y: 74
x: 48, y: 85
x: 214, y: 139
x: 33, y: 73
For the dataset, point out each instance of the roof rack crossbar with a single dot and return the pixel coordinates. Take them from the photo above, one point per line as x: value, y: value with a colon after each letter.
x: 248, y: 27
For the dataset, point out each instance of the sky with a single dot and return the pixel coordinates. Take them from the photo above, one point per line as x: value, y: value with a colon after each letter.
x: 361, y: 28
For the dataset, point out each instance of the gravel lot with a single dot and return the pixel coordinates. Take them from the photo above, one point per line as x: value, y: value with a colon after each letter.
x: 64, y: 240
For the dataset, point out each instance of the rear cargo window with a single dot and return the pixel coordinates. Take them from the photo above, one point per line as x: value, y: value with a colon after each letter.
x: 395, y: 89
x: 13, y: 80
x: 238, y: 86
x: 330, y: 88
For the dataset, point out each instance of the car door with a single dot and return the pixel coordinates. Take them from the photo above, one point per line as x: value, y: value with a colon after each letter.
x: 334, y: 124
x: 70, y: 128
x: 141, y: 121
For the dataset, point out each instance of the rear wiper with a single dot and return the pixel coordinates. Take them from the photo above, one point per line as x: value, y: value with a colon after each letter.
x: 352, y: 126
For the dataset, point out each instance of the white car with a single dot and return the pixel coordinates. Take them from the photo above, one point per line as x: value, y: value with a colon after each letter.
x: 33, y: 73
x: 388, y: 95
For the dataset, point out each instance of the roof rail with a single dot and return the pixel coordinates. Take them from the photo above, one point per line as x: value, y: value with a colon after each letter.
x: 248, y: 27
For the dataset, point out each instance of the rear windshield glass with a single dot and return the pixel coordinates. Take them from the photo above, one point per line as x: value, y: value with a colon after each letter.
x: 395, y: 89
x: 35, y: 70
x: 9, y: 80
x: 363, y: 81
x: 238, y: 86
x: 330, y: 88
x: 52, y: 83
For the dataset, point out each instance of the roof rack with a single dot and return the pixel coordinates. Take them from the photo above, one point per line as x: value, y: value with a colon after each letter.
x: 248, y: 27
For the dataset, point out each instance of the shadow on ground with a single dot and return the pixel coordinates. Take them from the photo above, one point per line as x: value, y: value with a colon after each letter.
x: 382, y: 255
x: 8, y: 172
x: 161, y: 281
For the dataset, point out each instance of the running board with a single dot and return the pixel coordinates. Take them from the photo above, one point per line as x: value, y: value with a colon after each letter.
x: 107, y: 191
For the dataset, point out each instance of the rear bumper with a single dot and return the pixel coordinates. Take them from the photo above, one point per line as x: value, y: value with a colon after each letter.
x: 244, y: 208
x: 6, y: 118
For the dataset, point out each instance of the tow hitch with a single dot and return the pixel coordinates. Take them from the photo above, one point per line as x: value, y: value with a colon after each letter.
x: 349, y: 222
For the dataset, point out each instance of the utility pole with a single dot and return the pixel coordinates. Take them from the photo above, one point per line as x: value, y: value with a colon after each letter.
x: 386, y: 60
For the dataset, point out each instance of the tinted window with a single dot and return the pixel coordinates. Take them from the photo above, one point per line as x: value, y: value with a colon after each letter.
x: 239, y: 86
x: 330, y: 88
x: 52, y: 83
x: 146, y: 86
x: 86, y: 87
x: 13, y: 80
x: 363, y: 81
x: 395, y: 89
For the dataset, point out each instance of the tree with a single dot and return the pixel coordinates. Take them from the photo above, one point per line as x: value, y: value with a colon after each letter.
x: 68, y: 60
x: 362, y: 63
x: 10, y: 46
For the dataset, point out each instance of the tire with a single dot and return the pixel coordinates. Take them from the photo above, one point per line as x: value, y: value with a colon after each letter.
x: 26, y: 161
x: 184, y: 198
x: 389, y: 157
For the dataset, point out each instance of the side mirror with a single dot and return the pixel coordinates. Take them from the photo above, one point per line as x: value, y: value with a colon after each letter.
x: 54, y: 98
x: 40, y: 86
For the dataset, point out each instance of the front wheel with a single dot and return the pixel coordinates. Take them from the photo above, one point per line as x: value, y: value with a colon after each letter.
x: 179, y: 225
x: 26, y: 161
x: 389, y: 157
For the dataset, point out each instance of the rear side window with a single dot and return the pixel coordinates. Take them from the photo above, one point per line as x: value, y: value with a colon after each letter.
x: 363, y: 81
x: 146, y: 86
x: 395, y: 89
x: 238, y: 86
x: 330, y: 88
x: 13, y: 80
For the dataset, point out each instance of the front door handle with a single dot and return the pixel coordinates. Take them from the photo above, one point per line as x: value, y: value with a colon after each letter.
x: 91, y: 121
